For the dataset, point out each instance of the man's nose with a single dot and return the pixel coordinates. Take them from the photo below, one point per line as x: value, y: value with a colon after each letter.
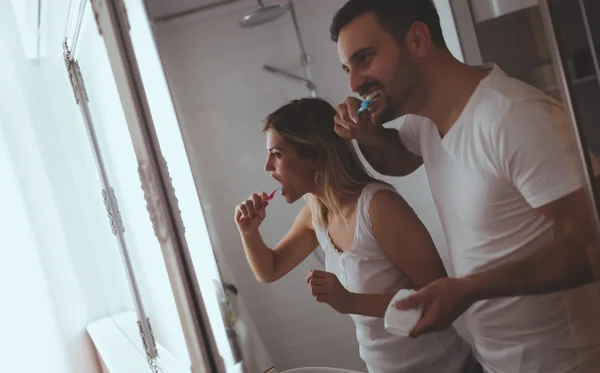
x: 357, y: 80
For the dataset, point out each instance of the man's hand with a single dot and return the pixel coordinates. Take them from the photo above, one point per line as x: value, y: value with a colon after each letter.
x: 443, y: 301
x: 326, y: 288
x: 380, y: 146
x: 349, y: 126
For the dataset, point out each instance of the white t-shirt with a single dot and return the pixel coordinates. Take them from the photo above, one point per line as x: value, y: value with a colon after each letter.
x: 510, y: 152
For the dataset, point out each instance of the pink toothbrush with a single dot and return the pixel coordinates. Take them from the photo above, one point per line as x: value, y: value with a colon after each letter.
x: 266, y: 199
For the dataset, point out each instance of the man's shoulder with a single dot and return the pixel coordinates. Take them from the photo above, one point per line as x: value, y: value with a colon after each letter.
x: 513, y: 89
x: 507, y: 102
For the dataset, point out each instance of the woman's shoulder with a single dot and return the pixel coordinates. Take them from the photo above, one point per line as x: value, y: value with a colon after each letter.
x: 377, y: 188
x: 385, y: 214
x: 384, y: 200
x: 305, y: 216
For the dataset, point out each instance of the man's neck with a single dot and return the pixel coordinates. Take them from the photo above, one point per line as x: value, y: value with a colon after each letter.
x: 452, y: 84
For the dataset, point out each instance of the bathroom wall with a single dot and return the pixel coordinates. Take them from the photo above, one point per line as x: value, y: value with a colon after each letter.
x: 221, y: 94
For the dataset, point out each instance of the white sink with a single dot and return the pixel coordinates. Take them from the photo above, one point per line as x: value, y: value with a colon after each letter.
x: 319, y: 370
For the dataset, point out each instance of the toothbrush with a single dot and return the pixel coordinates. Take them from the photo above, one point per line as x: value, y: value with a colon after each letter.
x: 367, y: 102
x: 363, y: 106
x: 266, y: 199
x: 271, y: 195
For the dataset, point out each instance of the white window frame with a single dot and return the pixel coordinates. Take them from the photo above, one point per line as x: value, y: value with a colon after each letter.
x: 112, y: 23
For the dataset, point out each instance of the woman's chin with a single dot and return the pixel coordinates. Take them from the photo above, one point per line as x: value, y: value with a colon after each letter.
x: 291, y: 196
x: 290, y: 199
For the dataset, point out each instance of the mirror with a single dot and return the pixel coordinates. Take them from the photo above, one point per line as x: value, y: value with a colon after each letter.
x: 229, y: 64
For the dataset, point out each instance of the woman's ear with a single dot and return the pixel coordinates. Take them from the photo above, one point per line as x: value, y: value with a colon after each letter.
x: 315, y: 160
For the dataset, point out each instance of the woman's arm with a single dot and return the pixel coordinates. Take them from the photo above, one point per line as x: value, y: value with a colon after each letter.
x: 407, y: 242
x: 405, y: 239
x: 326, y: 288
x: 268, y: 264
x: 373, y: 305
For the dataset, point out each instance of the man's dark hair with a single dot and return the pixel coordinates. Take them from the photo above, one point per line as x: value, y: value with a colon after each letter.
x: 395, y: 16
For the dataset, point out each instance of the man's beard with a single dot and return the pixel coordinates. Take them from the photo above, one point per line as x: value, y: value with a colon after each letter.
x: 387, y: 115
x: 407, y: 99
x: 394, y: 109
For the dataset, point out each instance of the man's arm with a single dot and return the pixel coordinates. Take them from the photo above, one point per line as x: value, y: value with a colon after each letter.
x: 381, y: 147
x: 542, y: 166
x: 388, y: 155
x: 537, y: 153
x: 571, y: 260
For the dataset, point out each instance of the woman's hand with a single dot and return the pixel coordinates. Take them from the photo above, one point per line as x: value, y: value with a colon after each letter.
x: 251, y: 213
x: 326, y: 288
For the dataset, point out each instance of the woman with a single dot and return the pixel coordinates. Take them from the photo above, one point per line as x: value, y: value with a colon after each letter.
x: 374, y: 243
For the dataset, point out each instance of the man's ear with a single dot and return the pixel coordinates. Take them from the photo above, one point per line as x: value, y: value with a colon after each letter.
x: 418, y: 40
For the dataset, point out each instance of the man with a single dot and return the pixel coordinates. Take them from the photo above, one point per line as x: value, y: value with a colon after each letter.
x: 502, y: 166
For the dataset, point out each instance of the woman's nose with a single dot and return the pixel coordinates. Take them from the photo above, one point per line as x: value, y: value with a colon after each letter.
x: 269, y: 166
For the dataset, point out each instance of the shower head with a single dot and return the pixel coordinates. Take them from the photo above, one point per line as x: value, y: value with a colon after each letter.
x: 263, y: 14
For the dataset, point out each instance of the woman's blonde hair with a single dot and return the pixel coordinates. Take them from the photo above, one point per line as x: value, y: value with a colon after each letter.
x: 308, y: 125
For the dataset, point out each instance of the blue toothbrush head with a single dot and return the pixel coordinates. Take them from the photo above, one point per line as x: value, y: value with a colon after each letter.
x: 363, y: 106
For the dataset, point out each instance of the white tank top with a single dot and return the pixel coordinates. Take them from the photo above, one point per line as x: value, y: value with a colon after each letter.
x: 366, y: 268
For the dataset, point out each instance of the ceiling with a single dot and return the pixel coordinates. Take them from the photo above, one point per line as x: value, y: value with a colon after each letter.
x: 162, y: 8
